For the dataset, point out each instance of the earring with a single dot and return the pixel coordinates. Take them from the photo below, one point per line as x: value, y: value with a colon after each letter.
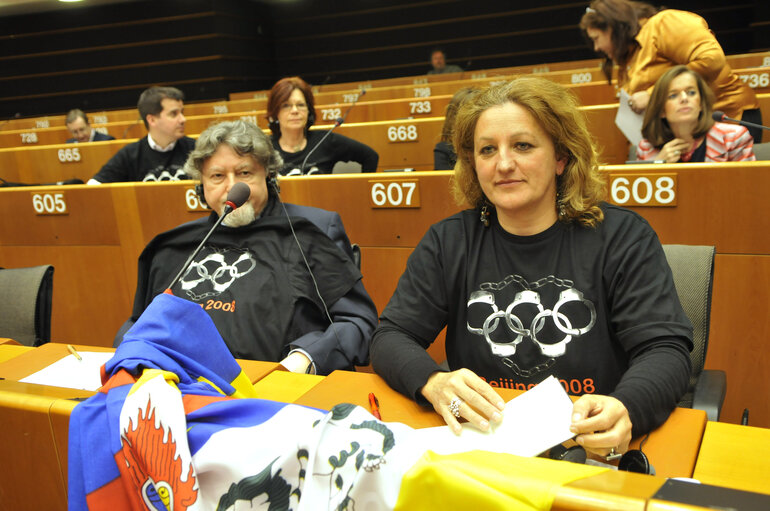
x: 560, y: 209
x: 484, y: 217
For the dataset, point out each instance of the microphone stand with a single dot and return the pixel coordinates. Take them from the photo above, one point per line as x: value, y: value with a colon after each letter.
x: 337, y: 122
x: 229, y: 207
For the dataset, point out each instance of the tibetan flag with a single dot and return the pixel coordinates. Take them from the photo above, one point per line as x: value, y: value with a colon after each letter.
x: 176, y: 426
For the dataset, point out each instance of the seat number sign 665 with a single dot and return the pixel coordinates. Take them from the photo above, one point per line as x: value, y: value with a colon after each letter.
x: 643, y: 189
x: 394, y: 194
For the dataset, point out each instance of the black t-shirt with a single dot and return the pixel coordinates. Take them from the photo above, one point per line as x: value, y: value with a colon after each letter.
x: 571, y: 301
x: 335, y: 148
x: 139, y: 162
x: 252, y: 280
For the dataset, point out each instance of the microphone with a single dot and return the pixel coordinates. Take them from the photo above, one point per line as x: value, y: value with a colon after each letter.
x: 720, y: 116
x: 337, y: 122
x: 237, y: 196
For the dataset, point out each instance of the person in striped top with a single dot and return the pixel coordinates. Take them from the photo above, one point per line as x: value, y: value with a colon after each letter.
x: 678, y: 126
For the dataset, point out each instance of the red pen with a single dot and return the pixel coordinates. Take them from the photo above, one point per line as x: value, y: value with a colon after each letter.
x: 374, y: 404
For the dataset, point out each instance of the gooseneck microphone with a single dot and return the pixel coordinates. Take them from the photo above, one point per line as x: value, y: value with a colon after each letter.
x: 337, y: 122
x: 237, y: 196
x: 720, y: 116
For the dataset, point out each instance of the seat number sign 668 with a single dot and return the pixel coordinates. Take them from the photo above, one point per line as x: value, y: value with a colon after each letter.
x: 643, y: 189
x: 394, y: 194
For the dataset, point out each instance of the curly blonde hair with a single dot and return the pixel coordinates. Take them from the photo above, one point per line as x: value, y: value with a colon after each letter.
x: 580, y: 188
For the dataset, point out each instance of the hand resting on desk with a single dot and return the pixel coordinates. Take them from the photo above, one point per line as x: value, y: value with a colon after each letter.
x: 476, y: 395
x: 600, y: 423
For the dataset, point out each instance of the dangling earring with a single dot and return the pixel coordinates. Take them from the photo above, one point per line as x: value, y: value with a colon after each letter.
x: 561, y: 210
x: 484, y: 217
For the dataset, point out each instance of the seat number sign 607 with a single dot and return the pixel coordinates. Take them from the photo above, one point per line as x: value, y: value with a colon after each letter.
x: 394, y: 194
x: 643, y: 189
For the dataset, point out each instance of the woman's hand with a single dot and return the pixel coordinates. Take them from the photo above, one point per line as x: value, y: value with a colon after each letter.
x: 639, y: 101
x: 479, y: 403
x: 673, y: 150
x: 601, y: 424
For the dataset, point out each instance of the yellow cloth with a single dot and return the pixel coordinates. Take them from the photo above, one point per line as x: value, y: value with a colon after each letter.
x: 285, y: 386
x: 485, y: 480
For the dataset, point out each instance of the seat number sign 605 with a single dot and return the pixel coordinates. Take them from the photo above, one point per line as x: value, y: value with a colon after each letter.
x: 394, y: 194
x: 49, y: 203
x: 643, y: 189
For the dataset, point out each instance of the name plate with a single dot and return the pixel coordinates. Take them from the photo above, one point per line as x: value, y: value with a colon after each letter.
x: 192, y: 201
x: 49, y: 203
x: 643, y: 189
x: 394, y: 194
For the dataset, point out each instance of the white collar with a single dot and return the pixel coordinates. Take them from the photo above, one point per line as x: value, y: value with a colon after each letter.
x: 154, y: 145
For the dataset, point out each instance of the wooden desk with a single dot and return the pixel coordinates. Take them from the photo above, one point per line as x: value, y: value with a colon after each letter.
x: 683, y: 429
x: 35, y: 359
x: 33, y: 476
x: 735, y: 456
x: 9, y: 351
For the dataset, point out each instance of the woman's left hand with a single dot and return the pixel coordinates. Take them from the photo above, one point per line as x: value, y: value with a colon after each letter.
x: 639, y: 101
x: 601, y: 423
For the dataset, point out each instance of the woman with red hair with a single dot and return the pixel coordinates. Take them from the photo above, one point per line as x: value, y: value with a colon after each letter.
x: 290, y: 114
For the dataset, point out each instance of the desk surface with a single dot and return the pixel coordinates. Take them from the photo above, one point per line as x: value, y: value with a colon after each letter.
x: 684, y: 428
x: 734, y: 456
x: 29, y: 407
x: 30, y: 360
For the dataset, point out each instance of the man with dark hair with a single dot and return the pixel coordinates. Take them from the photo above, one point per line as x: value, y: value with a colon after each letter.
x: 80, y: 129
x: 160, y: 155
x: 438, y: 61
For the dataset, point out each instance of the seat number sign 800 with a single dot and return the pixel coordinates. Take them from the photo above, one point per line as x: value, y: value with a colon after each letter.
x: 643, y: 189
x: 394, y: 194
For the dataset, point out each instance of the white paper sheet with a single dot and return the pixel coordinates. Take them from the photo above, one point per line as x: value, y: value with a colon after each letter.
x: 532, y: 422
x: 629, y: 122
x: 73, y: 373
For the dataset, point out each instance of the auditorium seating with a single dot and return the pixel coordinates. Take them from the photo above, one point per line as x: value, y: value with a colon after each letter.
x: 404, y: 143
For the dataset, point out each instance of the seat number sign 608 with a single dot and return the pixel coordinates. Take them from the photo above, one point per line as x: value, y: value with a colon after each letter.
x: 643, y: 189
x: 394, y: 194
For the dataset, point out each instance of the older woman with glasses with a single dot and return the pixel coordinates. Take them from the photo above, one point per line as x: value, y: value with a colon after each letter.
x: 290, y: 114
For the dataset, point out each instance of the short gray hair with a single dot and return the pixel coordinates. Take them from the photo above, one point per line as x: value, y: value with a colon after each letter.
x: 244, y: 137
x: 74, y: 114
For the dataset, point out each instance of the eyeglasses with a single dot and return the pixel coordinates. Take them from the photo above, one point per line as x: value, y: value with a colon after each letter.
x: 289, y: 106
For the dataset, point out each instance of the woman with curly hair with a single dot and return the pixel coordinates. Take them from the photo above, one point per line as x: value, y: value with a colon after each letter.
x: 539, y: 278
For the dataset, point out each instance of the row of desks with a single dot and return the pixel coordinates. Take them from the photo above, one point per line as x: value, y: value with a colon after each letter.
x: 95, y: 243
x: 401, y: 143
x: 587, y: 82
x: 35, y: 426
x: 568, y: 72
